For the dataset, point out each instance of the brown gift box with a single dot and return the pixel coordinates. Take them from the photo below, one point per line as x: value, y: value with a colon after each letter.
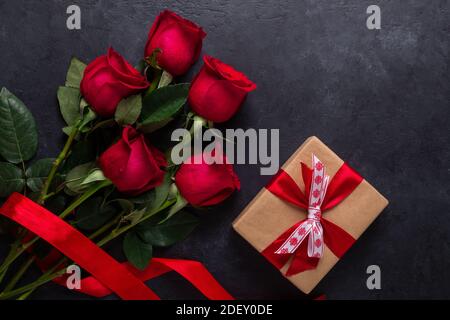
x: 266, y: 217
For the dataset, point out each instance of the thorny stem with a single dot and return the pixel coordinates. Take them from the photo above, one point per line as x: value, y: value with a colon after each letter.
x: 61, y: 157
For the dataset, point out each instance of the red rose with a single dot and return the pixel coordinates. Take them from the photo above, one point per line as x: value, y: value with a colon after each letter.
x: 218, y: 90
x: 179, y: 40
x: 107, y: 80
x: 205, y: 184
x: 132, y: 164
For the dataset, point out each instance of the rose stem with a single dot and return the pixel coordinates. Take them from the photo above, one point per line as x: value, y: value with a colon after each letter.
x: 19, y: 273
x: 61, y: 157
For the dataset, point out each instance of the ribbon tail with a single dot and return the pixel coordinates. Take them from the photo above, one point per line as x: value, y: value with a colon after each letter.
x: 301, y: 262
x: 336, y: 238
x: 193, y: 271
x: 315, y: 241
x: 279, y: 260
x: 197, y: 274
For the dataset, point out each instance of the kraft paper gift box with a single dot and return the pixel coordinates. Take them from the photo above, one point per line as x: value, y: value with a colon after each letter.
x: 267, y: 216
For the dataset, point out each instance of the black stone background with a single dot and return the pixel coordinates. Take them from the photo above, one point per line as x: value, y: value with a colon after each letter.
x: 379, y: 98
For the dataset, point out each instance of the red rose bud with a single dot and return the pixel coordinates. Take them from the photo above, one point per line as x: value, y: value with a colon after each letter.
x: 218, y: 90
x: 107, y: 80
x: 179, y: 40
x: 203, y: 184
x: 132, y: 164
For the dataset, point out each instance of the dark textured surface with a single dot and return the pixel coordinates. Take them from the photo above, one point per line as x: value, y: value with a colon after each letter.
x: 380, y: 99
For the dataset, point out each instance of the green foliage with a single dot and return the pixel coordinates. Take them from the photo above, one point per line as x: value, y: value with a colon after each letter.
x: 137, y: 251
x: 161, y: 105
x: 128, y: 110
x: 82, y: 152
x: 18, y: 134
x: 37, y: 173
x: 75, y: 73
x: 69, y: 104
x: 11, y: 179
x: 170, y: 231
x: 93, y: 213
x: 76, y: 177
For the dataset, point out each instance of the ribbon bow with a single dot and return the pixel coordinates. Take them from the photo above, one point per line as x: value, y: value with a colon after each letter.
x: 321, y: 193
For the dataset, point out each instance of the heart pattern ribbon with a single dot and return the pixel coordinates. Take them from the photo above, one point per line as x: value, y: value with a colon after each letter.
x: 311, y: 226
x: 321, y: 193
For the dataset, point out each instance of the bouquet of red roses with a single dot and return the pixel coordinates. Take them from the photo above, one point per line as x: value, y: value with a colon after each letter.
x: 114, y: 176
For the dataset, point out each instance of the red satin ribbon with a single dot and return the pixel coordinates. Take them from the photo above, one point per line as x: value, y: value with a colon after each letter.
x: 108, y: 275
x: 336, y: 239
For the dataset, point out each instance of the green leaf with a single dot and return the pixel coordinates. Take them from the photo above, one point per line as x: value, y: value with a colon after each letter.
x: 167, y: 233
x: 145, y: 198
x: 125, y: 204
x: 161, y: 192
x: 11, y: 179
x: 94, y: 176
x: 134, y: 216
x: 76, y: 176
x: 75, y: 73
x: 138, y: 252
x: 162, y: 104
x: 128, y: 110
x: 68, y: 130
x: 165, y: 80
x: 83, y: 104
x: 18, y: 134
x: 92, y: 214
x: 179, y: 204
x: 151, y: 127
x: 37, y: 173
x: 69, y: 104
x: 88, y: 116
x: 154, y: 198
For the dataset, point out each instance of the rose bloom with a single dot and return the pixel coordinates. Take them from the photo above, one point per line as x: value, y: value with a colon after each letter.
x: 107, y: 80
x: 179, y: 40
x: 132, y: 164
x: 203, y: 184
x: 218, y: 90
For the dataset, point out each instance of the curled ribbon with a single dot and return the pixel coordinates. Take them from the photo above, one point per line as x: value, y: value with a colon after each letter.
x: 321, y: 194
x: 108, y: 275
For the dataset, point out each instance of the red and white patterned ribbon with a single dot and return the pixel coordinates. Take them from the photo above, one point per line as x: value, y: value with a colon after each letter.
x: 311, y: 225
